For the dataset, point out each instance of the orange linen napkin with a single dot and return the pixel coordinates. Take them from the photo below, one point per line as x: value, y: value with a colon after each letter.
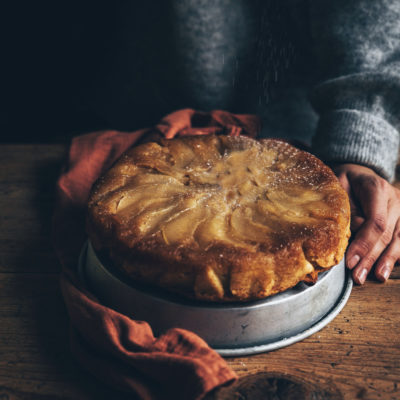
x: 115, y: 348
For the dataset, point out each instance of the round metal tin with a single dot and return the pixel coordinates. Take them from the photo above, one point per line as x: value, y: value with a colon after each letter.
x: 233, y: 329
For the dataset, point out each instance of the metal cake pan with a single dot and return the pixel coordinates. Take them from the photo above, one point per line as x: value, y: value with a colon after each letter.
x: 232, y: 329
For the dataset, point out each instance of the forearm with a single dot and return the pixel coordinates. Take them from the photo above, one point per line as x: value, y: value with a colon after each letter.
x: 357, y: 47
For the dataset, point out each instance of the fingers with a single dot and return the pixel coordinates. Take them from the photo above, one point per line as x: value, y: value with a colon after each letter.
x: 389, y: 257
x: 367, y: 248
x: 375, y: 222
x: 356, y: 222
x: 375, y: 234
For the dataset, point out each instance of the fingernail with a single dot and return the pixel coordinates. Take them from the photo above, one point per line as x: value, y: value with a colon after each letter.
x: 362, y: 275
x: 385, y: 272
x: 353, y: 261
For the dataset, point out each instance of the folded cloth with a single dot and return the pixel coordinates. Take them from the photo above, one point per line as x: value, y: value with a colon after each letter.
x: 115, y: 348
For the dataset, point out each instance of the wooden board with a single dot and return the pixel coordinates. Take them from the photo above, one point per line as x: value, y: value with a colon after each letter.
x: 357, y: 356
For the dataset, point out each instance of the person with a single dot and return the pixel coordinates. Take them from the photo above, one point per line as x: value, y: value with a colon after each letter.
x: 276, y: 58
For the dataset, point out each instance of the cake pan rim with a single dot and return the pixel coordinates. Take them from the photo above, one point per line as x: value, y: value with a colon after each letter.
x: 324, y: 321
x: 344, y: 285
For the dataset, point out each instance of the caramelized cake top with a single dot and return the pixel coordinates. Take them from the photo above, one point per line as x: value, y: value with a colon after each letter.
x: 220, y: 218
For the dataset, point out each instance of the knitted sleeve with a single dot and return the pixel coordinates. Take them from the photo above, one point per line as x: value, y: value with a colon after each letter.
x: 357, y: 47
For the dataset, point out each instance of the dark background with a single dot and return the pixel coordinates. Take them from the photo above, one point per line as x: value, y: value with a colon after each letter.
x: 55, y: 60
x: 45, y: 49
x: 78, y: 66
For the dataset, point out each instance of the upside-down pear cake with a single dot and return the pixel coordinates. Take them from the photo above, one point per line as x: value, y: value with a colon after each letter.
x: 219, y: 218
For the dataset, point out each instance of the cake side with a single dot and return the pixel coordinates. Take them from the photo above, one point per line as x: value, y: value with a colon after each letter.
x: 220, y: 218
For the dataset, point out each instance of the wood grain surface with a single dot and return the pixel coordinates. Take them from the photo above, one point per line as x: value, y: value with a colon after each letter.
x: 357, y: 356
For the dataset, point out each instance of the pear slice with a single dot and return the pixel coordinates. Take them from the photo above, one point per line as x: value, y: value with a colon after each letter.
x: 144, y: 204
x: 150, y: 221
x: 182, y: 154
x: 172, y: 209
x: 134, y: 197
x: 241, y: 158
x: 216, y: 229
x: 181, y: 228
x: 212, y: 229
x: 294, y: 195
x: 294, y: 205
x: 151, y: 179
x: 244, y: 228
x: 285, y: 212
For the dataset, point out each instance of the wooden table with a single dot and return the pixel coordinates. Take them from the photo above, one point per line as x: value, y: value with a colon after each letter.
x: 357, y: 356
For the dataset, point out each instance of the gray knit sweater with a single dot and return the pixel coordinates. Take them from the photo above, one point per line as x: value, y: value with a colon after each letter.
x: 322, y: 69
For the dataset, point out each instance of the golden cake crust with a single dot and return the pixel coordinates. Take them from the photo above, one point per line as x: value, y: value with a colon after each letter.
x: 220, y: 218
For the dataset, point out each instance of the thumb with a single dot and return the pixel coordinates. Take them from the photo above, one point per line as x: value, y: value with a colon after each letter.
x: 357, y: 218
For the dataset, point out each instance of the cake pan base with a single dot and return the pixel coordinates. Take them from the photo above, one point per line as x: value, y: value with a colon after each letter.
x: 234, y: 329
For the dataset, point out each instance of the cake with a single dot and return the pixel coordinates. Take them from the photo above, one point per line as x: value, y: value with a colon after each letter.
x: 219, y: 218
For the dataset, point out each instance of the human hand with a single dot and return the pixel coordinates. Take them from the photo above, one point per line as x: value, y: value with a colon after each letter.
x: 375, y: 222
